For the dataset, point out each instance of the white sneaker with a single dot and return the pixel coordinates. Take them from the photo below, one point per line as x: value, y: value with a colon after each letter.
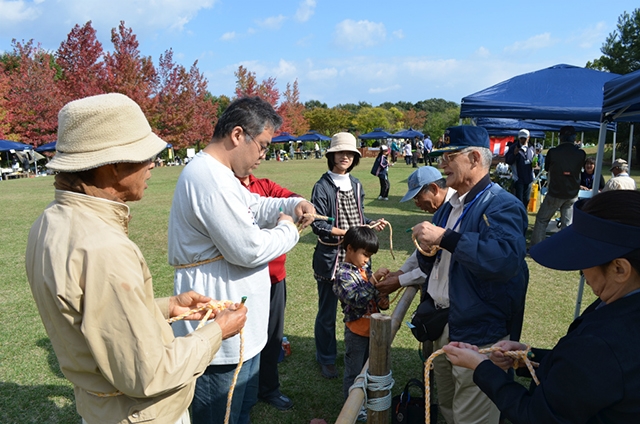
x: 380, y: 197
x: 385, y: 198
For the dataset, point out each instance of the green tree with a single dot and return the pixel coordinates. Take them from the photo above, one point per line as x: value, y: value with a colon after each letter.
x: 621, y: 49
x: 310, y: 104
x: 369, y: 118
x: 328, y: 121
x: 439, y: 121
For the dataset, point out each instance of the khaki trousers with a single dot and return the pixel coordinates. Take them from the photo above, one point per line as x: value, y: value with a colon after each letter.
x: 459, y: 399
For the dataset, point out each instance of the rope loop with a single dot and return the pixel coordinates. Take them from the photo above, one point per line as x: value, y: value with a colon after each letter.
x: 375, y: 383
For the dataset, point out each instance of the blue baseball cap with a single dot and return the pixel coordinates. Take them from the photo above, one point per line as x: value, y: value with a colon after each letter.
x: 460, y: 137
x: 420, y: 178
x: 589, y: 241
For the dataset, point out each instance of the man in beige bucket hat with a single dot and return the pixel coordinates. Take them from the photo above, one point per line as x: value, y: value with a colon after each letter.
x: 91, y: 283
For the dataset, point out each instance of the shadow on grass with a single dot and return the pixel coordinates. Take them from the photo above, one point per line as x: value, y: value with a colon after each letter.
x: 38, y: 403
x: 52, y: 360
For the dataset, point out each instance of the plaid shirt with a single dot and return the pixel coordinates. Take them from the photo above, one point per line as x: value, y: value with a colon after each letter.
x: 357, y: 295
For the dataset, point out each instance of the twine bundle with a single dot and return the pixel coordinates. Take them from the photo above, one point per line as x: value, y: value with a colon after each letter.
x: 519, y: 357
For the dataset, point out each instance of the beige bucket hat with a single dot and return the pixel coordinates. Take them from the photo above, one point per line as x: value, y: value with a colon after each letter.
x: 343, y: 141
x: 100, y: 130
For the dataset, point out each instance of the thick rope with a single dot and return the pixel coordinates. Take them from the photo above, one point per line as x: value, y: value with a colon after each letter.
x: 377, y: 224
x: 519, y: 357
x: 206, y: 261
x: 432, y: 250
x: 210, y: 308
x: 375, y: 383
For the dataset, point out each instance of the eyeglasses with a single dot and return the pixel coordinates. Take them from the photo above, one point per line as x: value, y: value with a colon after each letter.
x: 449, y: 156
x: 262, y: 149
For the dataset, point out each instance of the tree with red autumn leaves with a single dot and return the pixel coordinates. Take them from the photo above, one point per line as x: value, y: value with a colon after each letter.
x: 129, y: 73
x: 184, y: 113
x: 33, y: 98
x: 80, y: 59
x: 292, y: 111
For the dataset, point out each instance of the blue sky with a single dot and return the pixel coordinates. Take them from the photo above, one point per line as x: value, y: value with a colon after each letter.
x: 340, y: 51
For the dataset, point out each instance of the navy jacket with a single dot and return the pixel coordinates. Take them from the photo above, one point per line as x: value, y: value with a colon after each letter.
x: 591, y: 376
x: 488, y: 276
x: 324, y: 197
x: 523, y: 160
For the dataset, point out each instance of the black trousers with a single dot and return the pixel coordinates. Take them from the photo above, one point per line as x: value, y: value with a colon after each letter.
x: 269, y: 379
x: 384, y: 185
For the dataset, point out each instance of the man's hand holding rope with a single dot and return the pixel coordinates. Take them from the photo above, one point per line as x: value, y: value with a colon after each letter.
x: 304, y: 212
x: 427, y: 235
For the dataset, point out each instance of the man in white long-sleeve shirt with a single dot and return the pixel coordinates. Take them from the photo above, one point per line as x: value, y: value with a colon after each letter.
x: 221, y: 239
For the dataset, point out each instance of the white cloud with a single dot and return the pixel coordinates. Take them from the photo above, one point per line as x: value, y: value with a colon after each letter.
x: 306, y: 9
x: 590, y: 37
x: 536, y: 42
x: 323, y: 74
x: 273, y: 22
x: 350, y: 34
x: 285, y: 71
x: 379, y: 90
x: 18, y: 11
x: 398, y: 34
x: 482, y: 52
x: 228, y: 36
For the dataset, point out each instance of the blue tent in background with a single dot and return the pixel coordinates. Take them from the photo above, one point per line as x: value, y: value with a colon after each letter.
x: 506, y: 132
x: 283, y: 138
x: 561, y: 92
x: 410, y: 133
x: 6, y: 145
x: 537, y: 125
x: 313, y: 136
x: 48, y: 147
x: 621, y: 100
x: 376, y: 134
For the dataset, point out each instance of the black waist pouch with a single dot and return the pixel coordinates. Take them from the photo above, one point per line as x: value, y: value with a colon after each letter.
x: 427, y: 321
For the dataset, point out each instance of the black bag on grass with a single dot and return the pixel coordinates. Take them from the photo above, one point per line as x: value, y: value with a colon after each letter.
x: 406, y: 409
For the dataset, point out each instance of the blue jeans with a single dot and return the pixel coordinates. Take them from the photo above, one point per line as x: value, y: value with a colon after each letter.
x: 548, y: 207
x: 210, y: 398
x: 325, y: 327
x: 356, y: 353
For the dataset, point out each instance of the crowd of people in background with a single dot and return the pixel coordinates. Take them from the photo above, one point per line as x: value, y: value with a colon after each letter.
x: 229, y: 232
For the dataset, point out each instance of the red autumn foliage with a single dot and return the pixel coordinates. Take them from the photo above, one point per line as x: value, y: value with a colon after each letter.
x: 128, y: 72
x: 247, y: 86
x: 292, y: 111
x: 80, y: 59
x: 33, y: 99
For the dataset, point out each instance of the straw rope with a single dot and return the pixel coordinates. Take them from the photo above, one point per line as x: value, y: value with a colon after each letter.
x: 210, y: 308
x: 432, y: 250
x: 206, y: 261
x: 519, y: 357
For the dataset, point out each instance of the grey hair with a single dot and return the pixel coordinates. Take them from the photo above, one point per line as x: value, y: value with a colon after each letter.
x: 485, y: 155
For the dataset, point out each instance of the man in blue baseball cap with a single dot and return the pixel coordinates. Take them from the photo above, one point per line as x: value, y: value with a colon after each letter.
x: 480, y: 239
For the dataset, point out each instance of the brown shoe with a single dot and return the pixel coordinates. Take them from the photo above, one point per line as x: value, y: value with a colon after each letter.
x: 329, y: 371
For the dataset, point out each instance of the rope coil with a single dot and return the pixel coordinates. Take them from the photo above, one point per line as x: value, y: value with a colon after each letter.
x: 519, y: 357
x: 375, y: 383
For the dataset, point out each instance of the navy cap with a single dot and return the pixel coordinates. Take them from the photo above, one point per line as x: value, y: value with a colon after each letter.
x: 457, y: 138
x: 418, y: 179
x: 589, y: 241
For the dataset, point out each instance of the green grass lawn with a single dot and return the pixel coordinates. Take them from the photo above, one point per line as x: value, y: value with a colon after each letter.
x: 32, y: 389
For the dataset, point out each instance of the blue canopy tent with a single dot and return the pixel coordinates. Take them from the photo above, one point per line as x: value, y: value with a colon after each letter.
x: 283, y: 137
x: 376, y: 134
x: 7, y: 146
x: 410, y: 133
x: 506, y: 132
x: 561, y: 92
x: 537, y: 124
x: 313, y: 136
x: 621, y: 100
x: 48, y: 147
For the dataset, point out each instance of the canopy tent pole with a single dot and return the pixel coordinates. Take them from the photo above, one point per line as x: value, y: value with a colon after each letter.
x: 582, y: 138
x: 615, y: 136
x: 630, y: 146
x: 553, y: 136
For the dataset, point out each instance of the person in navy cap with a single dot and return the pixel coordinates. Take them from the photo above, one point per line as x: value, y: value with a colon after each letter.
x: 593, y: 374
x: 478, y: 272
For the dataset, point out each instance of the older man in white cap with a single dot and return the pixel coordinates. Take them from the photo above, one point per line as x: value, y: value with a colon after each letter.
x: 520, y: 155
x: 92, y: 286
x: 621, y: 179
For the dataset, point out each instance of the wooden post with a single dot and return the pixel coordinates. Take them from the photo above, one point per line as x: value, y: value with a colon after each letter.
x: 379, y: 361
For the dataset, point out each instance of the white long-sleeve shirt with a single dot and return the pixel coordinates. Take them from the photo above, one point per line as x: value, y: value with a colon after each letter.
x: 213, y: 215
